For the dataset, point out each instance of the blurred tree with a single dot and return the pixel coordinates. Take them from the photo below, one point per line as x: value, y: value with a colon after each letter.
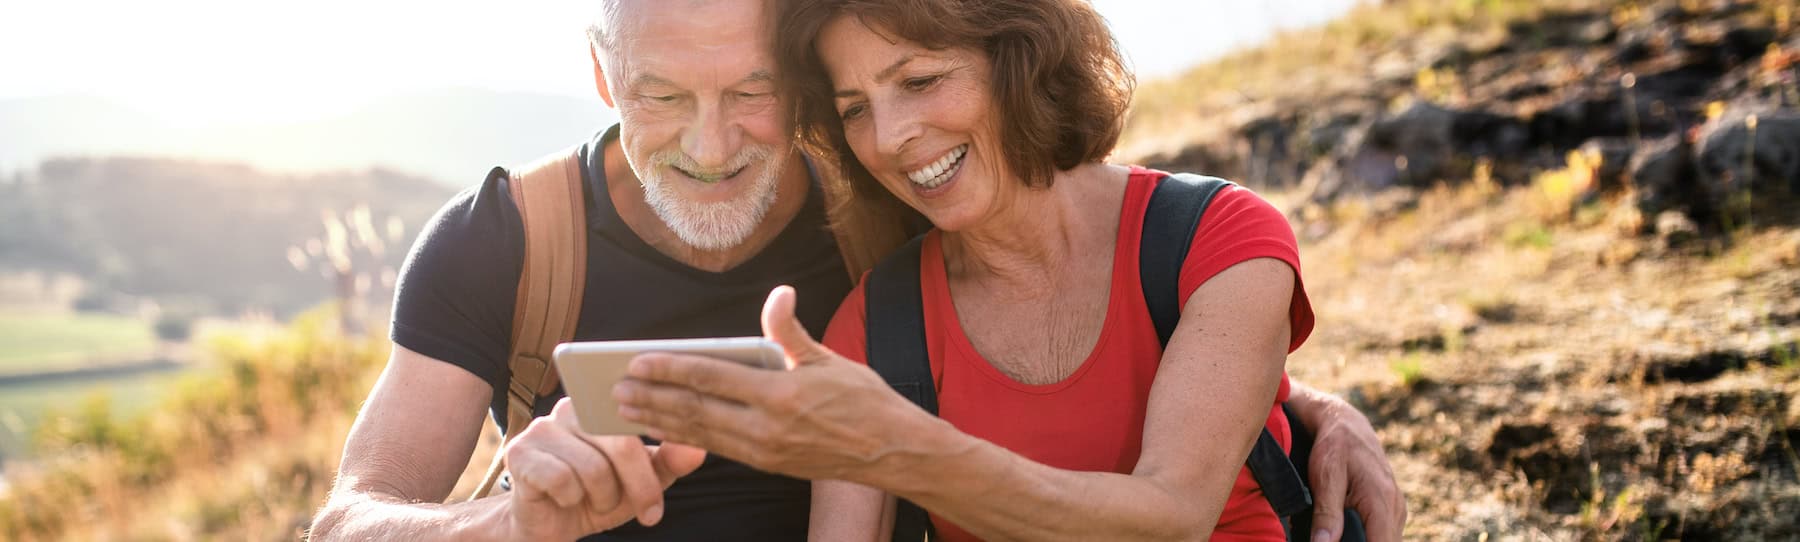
x: 352, y: 255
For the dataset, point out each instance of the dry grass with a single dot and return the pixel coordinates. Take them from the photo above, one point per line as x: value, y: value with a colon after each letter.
x: 244, y: 450
x: 1585, y: 384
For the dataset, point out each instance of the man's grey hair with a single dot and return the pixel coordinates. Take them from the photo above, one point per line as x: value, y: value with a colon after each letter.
x: 603, y: 31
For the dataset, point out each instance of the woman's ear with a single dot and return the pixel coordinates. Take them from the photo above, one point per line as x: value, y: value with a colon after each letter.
x: 600, y: 78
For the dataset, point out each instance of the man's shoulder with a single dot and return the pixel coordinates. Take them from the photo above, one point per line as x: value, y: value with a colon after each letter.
x: 483, y: 213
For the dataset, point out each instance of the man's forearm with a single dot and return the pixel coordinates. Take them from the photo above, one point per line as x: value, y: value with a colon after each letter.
x: 365, y: 516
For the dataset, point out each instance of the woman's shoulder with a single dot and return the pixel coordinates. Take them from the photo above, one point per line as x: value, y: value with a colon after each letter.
x: 1233, y: 203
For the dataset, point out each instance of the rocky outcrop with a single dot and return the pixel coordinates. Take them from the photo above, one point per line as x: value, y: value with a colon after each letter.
x: 1662, y: 98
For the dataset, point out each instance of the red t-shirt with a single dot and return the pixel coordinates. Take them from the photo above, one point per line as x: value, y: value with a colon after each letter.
x: 1094, y: 419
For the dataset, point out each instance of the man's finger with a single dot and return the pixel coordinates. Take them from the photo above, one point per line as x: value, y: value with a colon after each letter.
x: 673, y: 461
x: 544, y: 474
x: 707, y: 375
x: 1383, y: 518
x: 591, y: 465
x: 635, y: 475
x: 780, y: 325
x: 1329, y: 486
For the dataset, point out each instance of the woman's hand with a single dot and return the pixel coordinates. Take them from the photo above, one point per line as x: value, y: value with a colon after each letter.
x: 827, y: 417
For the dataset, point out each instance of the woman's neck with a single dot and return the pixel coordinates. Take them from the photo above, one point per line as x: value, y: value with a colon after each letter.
x: 1036, y: 232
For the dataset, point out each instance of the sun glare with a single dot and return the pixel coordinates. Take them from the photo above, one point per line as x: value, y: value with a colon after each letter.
x: 233, y: 61
x: 215, y: 61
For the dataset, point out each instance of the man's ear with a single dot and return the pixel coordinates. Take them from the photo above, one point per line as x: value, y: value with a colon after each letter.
x: 600, y: 78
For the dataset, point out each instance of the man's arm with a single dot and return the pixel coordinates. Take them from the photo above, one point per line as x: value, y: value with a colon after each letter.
x: 1348, y: 467
x: 413, y: 438
x: 411, y: 441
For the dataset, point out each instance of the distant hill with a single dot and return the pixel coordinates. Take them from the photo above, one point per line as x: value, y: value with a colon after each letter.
x: 452, y: 136
x: 212, y: 236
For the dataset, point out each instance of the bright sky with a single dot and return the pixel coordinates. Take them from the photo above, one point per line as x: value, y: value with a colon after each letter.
x: 204, y: 61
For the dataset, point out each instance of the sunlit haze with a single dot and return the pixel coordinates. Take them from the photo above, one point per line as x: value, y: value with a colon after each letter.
x: 234, y: 61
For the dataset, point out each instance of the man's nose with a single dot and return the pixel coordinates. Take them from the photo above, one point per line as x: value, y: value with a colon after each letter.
x: 712, y: 139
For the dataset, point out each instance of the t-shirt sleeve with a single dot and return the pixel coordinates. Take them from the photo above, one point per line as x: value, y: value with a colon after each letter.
x: 1240, y: 226
x: 455, y: 294
x: 847, y: 334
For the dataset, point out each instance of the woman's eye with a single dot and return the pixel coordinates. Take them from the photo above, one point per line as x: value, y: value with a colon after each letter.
x: 921, y: 83
x: 852, y: 112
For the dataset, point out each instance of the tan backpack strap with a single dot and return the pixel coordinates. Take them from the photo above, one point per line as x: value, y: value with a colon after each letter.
x: 549, y: 197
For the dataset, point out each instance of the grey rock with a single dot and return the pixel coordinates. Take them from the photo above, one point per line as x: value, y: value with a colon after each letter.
x: 1615, y: 160
x: 1664, y: 175
x: 1733, y: 157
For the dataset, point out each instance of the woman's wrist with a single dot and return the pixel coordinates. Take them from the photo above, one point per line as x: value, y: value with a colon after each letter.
x: 932, y: 456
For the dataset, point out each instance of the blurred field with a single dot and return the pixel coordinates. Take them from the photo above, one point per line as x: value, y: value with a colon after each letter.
x: 240, y: 452
x: 35, y: 340
x: 23, y: 407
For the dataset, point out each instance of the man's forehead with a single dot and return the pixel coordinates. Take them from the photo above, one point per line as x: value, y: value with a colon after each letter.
x: 693, y: 43
x: 726, y: 22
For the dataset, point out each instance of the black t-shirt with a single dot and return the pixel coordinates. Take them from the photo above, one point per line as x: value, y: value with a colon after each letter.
x: 454, y: 302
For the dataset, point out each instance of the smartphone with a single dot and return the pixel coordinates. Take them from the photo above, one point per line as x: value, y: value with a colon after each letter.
x: 590, y: 369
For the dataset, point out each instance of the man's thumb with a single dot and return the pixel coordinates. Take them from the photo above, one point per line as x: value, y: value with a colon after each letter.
x: 672, y: 461
x: 780, y: 325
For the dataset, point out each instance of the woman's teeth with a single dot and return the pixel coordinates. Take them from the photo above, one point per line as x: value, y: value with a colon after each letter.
x: 935, y: 174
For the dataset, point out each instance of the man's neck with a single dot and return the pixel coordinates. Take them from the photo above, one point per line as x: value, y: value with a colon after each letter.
x: 627, y: 195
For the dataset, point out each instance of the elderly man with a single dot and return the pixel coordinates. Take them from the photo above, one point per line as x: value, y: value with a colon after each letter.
x: 697, y: 205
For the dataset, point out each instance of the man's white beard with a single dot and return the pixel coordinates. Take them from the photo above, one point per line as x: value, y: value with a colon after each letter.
x: 716, y: 225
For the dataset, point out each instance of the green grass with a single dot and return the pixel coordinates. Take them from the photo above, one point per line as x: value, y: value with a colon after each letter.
x: 23, y: 406
x: 1409, y: 369
x: 31, y: 340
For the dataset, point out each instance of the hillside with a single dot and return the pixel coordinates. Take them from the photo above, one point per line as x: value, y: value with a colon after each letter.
x: 1569, y: 299
x: 210, y: 237
x: 1552, y: 246
x: 451, y: 135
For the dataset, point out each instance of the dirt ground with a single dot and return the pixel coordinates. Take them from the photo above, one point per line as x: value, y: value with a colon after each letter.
x: 1568, y: 380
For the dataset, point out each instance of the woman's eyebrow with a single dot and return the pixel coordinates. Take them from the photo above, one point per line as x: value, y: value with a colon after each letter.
x: 880, y: 77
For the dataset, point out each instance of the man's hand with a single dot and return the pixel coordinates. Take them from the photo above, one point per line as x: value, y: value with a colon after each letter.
x: 1348, y: 467
x: 568, y: 484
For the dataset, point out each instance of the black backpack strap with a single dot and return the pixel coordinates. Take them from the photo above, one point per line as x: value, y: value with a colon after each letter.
x: 895, y: 329
x: 1169, y: 226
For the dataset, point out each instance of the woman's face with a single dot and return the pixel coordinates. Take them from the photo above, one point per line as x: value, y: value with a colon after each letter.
x: 921, y: 121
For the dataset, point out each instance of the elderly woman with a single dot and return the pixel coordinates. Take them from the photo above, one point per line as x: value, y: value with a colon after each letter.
x: 1063, y: 415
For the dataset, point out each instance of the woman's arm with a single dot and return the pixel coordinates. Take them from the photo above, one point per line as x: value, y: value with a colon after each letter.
x: 832, y: 418
x: 851, y: 512
x: 1211, y: 398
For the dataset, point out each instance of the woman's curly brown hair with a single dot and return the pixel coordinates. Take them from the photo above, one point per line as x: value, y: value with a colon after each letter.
x: 1058, y: 81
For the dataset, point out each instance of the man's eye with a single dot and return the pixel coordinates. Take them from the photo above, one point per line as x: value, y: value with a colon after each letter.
x: 660, y: 99
x: 921, y: 83
x: 753, y: 95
